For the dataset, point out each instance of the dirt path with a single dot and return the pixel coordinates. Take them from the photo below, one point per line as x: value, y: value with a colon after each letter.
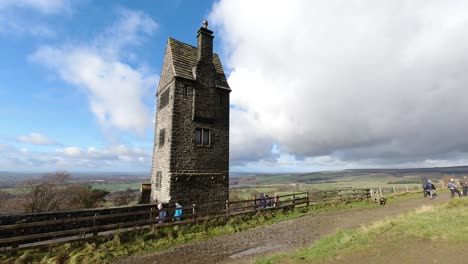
x: 244, y: 247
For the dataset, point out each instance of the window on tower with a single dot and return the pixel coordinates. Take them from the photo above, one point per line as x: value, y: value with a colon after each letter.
x: 202, y: 137
x: 164, y: 99
x: 157, y: 183
x: 162, y: 137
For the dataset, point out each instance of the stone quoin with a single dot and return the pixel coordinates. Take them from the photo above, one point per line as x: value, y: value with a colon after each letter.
x: 191, y: 143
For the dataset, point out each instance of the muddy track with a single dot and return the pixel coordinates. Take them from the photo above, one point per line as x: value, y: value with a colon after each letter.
x: 244, y: 247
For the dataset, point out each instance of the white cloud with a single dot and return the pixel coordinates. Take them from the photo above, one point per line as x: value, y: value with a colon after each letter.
x: 115, y: 89
x: 359, y: 81
x: 18, y: 26
x: 118, y: 157
x: 43, y: 6
x: 36, y: 139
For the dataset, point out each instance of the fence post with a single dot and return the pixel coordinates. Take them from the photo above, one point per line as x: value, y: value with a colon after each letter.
x: 193, y: 212
x: 307, y: 197
x: 371, y: 193
x: 151, y: 213
x: 95, y: 232
x: 227, y: 208
x: 339, y: 195
x: 294, y: 200
x: 255, y: 203
x: 394, y: 189
x: 380, y: 191
x: 406, y: 186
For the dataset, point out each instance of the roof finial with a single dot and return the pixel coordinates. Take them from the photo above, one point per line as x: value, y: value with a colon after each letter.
x: 205, y: 23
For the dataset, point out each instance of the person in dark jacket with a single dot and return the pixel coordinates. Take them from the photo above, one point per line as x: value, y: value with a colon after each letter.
x: 261, y: 200
x: 464, y: 185
x: 431, y: 188
x: 162, y: 214
x: 424, y: 186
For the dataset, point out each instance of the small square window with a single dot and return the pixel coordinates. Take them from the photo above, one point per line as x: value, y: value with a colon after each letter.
x: 202, y: 137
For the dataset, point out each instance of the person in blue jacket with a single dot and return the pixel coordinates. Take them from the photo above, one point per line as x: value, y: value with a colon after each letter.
x: 178, y: 212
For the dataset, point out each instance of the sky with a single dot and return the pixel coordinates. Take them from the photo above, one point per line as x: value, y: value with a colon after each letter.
x: 316, y: 85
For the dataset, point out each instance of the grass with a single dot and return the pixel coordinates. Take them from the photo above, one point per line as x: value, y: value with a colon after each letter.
x: 140, y: 242
x: 443, y: 224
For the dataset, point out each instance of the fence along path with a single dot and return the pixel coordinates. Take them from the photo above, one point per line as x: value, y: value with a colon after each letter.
x: 23, y: 231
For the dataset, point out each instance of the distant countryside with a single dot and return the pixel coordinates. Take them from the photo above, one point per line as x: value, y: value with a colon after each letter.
x: 62, y: 190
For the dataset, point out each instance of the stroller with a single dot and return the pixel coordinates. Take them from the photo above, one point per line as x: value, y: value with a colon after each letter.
x: 431, y: 189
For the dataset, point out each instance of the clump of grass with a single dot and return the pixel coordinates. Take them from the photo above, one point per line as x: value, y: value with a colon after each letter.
x: 444, y: 223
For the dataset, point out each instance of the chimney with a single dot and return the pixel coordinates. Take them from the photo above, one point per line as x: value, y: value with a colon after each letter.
x: 205, y: 44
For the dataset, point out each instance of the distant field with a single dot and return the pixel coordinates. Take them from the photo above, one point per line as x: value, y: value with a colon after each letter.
x: 112, y: 187
x: 389, y: 180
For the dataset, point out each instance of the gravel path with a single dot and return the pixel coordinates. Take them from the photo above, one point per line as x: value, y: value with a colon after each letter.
x: 244, y: 247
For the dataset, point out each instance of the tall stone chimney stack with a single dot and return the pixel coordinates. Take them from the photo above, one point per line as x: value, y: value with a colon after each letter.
x: 205, y: 44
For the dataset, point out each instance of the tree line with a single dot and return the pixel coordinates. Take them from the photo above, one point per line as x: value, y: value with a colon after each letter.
x: 55, y: 192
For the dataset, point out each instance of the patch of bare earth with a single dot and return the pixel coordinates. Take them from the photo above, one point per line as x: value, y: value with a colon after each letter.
x: 400, y: 252
x: 244, y: 247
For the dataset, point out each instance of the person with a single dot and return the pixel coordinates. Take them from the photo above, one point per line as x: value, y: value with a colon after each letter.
x: 261, y: 200
x: 464, y: 185
x: 431, y: 188
x: 453, y: 188
x: 276, y: 200
x: 178, y: 212
x: 267, y: 200
x: 162, y: 213
x: 424, y: 186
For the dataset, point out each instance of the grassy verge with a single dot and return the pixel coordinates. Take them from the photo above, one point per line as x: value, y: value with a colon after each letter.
x: 140, y: 242
x: 445, y: 223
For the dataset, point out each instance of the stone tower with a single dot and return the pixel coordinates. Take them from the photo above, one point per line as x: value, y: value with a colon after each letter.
x: 191, y: 145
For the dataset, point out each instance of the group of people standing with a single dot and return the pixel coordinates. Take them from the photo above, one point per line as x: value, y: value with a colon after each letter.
x: 163, y: 213
x: 265, y: 201
x: 452, y: 185
x: 429, y: 188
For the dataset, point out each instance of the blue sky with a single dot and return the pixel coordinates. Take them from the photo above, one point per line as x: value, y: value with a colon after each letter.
x: 44, y: 112
x: 315, y: 85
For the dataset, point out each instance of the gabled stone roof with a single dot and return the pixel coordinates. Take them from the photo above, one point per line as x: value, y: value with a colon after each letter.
x: 184, y: 59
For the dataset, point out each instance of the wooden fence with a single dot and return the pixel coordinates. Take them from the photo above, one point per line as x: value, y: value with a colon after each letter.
x: 23, y: 231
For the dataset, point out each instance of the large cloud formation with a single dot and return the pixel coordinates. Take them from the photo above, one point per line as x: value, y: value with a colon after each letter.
x: 369, y: 82
x: 116, y: 89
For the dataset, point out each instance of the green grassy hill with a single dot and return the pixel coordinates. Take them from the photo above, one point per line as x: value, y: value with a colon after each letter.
x: 425, y: 235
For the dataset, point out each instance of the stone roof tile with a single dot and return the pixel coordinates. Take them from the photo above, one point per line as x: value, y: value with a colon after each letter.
x: 184, y: 59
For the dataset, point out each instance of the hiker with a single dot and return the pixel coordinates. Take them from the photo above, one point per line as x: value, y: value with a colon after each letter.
x: 276, y: 200
x: 178, y: 211
x: 267, y: 200
x: 431, y: 188
x: 424, y: 186
x: 453, y: 188
x: 162, y: 213
x: 261, y: 201
x: 464, y: 185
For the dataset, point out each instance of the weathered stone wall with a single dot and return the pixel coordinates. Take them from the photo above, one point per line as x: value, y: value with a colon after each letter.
x: 192, y: 174
x: 161, y: 154
x: 200, y: 174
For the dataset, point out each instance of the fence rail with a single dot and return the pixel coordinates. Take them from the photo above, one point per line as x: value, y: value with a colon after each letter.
x: 39, y: 229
